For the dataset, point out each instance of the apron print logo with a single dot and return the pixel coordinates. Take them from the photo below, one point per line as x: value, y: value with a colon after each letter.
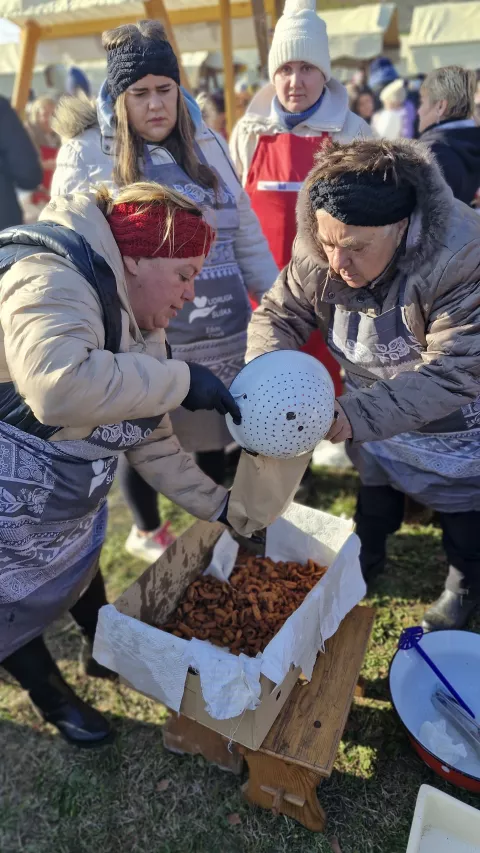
x: 101, y: 471
x: 202, y: 309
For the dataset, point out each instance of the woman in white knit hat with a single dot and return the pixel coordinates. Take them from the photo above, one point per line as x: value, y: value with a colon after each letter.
x: 288, y: 121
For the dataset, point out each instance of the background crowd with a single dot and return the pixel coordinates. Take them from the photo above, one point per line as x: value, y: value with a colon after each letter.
x: 443, y: 111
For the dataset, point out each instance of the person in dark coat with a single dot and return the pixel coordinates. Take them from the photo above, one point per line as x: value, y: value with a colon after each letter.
x: 447, y: 126
x: 19, y: 165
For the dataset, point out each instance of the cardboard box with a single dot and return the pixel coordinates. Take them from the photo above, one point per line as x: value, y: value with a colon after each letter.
x: 127, y: 633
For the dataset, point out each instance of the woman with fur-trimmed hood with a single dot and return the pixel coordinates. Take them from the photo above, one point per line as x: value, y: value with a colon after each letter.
x: 387, y: 264
x: 146, y: 126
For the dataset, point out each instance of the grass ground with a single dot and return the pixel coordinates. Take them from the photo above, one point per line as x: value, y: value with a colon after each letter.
x: 133, y: 797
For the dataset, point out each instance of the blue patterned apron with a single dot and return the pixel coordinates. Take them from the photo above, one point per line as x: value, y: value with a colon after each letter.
x: 53, y: 517
x: 438, y: 465
x: 211, y: 330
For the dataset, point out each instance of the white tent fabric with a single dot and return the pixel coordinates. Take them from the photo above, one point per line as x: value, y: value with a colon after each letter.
x: 443, y: 34
x: 190, y: 37
x: 361, y: 32
x: 358, y: 33
x: 66, y: 51
x: 85, y: 52
x: 49, y: 12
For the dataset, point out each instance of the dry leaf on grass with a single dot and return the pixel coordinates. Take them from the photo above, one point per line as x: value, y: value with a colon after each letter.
x: 163, y: 785
x: 234, y: 819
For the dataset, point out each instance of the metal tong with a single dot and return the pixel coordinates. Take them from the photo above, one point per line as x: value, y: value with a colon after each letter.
x: 450, y: 709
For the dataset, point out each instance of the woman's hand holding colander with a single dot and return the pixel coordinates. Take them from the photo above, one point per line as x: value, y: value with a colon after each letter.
x: 340, y: 429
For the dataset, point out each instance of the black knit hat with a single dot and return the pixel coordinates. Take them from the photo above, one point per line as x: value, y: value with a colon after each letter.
x: 367, y: 199
x: 130, y: 62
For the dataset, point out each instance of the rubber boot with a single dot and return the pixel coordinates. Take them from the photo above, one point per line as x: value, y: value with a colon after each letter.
x: 449, y: 612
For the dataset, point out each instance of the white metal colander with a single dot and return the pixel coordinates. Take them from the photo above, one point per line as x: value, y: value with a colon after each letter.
x: 287, y: 403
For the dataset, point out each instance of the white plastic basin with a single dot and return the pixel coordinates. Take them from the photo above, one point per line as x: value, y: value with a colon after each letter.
x: 442, y: 824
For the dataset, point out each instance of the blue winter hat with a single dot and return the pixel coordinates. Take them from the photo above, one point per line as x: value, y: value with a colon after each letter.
x: 382, y: 72
x: 76, y: 80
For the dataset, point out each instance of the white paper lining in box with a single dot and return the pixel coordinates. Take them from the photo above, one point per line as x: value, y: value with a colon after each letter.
x: 157, y: 663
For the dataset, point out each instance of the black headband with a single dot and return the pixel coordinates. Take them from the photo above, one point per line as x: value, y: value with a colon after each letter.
x: 129, y: 63
x: 364, y: 198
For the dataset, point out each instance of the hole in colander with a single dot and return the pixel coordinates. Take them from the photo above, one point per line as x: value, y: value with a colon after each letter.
x: 300, y: 429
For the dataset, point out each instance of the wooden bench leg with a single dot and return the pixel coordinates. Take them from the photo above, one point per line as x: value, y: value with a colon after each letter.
x: 182, y: 735
x: 284, y: 789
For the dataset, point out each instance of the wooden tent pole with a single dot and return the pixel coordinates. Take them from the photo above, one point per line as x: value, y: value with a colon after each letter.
x: 277, y: 11
x: 29, y: 37
x: 155, y: 9
x: 261, y: 33
x: 228, y: 73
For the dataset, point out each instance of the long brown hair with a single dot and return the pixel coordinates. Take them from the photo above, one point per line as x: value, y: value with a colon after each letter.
x: 128, y: 143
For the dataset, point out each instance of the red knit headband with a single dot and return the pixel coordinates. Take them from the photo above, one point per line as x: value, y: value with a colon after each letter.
x: 139, y: 232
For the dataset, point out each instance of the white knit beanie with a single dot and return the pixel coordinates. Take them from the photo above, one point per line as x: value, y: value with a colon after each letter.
x: 300, y: 36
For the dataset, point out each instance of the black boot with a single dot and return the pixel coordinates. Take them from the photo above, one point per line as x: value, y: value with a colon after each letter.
x: 449, y: 612
x: 37, y: 672
x: 85, y: 613
x: 379, y: 513
x: 79, y: 723
x: 90, y: 666
x: 372, y: 564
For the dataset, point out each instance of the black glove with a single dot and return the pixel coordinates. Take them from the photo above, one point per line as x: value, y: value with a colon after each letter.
x: 209, y: 392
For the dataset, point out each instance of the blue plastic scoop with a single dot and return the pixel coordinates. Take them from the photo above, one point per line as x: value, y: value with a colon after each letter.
x: 410, y: 639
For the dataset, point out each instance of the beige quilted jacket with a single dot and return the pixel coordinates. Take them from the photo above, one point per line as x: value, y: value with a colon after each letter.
x: 51, y: 346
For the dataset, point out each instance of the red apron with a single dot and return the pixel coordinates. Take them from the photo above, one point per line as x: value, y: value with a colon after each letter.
x: 280, y: 165
x: 42, y: 194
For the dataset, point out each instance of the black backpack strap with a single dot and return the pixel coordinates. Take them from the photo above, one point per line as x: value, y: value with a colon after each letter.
x: 22, y: 241
x: 62, y: 241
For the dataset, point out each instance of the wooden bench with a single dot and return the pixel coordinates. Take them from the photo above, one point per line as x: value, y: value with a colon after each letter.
x: 300, y: 748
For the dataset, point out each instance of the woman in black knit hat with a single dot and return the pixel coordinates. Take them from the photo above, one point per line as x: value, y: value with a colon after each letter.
x: 146, y: 125
x: 387, y: 264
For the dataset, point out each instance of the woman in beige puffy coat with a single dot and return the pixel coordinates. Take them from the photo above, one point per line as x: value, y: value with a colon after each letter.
x: 146, y: 125
x: 85, y: 378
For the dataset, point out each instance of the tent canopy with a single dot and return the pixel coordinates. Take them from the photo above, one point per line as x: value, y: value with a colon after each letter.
x: 362, y: 32
x: 84, y: 17
x: 443, y: 34
x: 44, y: 20
x: 72, y: 51
x: 197, y: 22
